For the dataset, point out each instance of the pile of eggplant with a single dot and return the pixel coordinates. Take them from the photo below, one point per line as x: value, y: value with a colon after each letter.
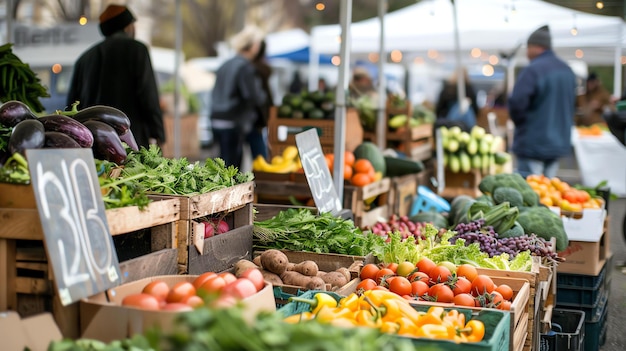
x: 102, y: 128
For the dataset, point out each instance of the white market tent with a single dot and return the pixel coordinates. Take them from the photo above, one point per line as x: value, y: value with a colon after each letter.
x: 492, y: 26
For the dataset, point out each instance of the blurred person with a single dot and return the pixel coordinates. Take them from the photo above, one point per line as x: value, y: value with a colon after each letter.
x: 257, y: 138
x: 448, y: 109
x: 237, y: 96
x: 593, y: 103
x: 361, y: 84
x: 542, y: 107
x: 118, y: 72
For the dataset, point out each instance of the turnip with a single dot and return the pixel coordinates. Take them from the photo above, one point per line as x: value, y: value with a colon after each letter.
x: 220, y: 225
x: 209, y: 230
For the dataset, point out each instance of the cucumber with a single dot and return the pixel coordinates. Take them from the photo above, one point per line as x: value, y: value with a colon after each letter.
x: 477, y: 161
x: 397, y: 167
x: 478, y: 132
x: 485, y: 147
x: 397, y: 121
x: 454, y: 163
x: 453, y: 145
x: 472, y: 146
x: 466, y: 163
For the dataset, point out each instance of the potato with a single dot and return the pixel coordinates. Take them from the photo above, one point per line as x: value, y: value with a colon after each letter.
x: 274, y: 261
x: 271, y: 277
x: 291, y: 266
x: 309, y: 268
x: 257, y: 261
x: 316, y: 283
x: 335, y: 279
x: 345, y: 272
x: 320, y: 273
x: 242, y: 266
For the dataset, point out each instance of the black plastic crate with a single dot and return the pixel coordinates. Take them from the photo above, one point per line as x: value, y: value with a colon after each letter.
x: 580, y: 281
x: 580, y: 294
x: 567, y: 333
x: 591, y: 311
x: 596, y: 329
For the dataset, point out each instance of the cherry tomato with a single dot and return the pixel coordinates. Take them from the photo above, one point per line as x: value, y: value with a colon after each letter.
x: 180, y: 292
x: 419, y: 276
x: 440, y: 274
x: 176, y: 306
x: 393, y: 266
x: 194, y: 301
x: 425, y: 265
x: 419, y: 288
x: 505, y: 291
x: 482, y: 284
x: 400, y: 286
x: 203, y: 278
x: 405, y: 268
x: 157, y: 288
x: 467, y: 270
x: 213, y: 285
x: 143, y: 301
x: 240, y: 288
x: 441, y: 292
x: 366, y: 284
x: 224, y: 301
x: 464, y: 300
x: 384, y: 272
x: 369, y: 271
x: 228, y: 277
x: 461, y: 285
x: 255, y: 276
x: 505, y: 305
x: 496, y: 299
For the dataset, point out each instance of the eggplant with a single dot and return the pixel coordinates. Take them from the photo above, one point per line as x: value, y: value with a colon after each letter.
x: 28, y: 134
x: 107, y: 144
x: 129, y: 139
x: 107, y: 114
x: 13, y: 112
x: 58, y: 140
x: 69, y: 126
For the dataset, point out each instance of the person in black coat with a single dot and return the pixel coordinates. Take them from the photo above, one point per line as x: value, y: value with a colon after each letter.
x: 448, y: 98
x: 118, y: 72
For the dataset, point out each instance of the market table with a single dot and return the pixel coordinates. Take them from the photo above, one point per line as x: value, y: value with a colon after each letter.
x: 601, y: 158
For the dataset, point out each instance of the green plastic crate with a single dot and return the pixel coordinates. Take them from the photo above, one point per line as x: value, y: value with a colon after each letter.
x: 497, y: 326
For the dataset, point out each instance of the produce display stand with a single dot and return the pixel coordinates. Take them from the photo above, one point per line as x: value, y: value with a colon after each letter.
x: 281, y: 131
x: 26, y: 282
x: 233, y: 204
x: 404, y: 190
x: 268, y: 191
x: 461, y: 184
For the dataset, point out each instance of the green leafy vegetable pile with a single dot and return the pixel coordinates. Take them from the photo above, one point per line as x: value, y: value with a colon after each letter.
x: 301, y: 230
x: 177, y: 176
x: 120, y: 191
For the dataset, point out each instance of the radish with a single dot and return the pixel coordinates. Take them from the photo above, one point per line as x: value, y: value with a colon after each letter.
x: 209, y: 230
x: 221, y: 225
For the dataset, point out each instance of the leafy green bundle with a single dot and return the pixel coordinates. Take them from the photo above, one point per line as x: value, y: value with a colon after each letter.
x: 301, y: 230
x: 177, y: 176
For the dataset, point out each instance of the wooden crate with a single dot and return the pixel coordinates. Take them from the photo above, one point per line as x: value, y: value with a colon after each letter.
x: 355, y: 198
x: 325, y: 128
x: 233, y: 204
x: 461, y: 184
x: 403, y: 190
x: 264, y: 212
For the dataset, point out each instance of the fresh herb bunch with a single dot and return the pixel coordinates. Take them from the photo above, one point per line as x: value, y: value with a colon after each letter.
x: 301, y: 230
x: 120, y: 191
x: 18, y: 81
x: 179, y: 176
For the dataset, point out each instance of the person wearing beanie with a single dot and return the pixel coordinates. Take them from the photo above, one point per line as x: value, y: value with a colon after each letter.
x: 593, y: 103
x: 237, y: 96
x: 542, y: 107
x: 118, y: 72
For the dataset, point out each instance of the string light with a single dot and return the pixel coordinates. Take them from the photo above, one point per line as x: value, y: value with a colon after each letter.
x: 396, y: 56
x: 475, y: 53
x: 579, y: 53
x: 320, y: 6
x: 493, y: 59
x: 599, y: 5
x: 57, y: 68
x: 433, y: 54
x: 373, y: 57
x: 336, y: 60
x: 82, y: 20
x: 488, y: 70
x: 574, y: 30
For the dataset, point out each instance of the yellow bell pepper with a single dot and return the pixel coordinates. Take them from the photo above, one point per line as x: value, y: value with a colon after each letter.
x: 327, y: 314
x: 406, y: 326
x: 320, y: 300
x: 350, y: 302
x: 389, y: 327
x: 433, y: 331
x: 474, y: 330
x: 296, y: 318
x: 433, y: 316
x: 366, y: 318
x: 455, y: 318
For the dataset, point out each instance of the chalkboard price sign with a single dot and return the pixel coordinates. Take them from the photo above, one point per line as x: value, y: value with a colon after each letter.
x: 77, y: 239
x: 317, y: 173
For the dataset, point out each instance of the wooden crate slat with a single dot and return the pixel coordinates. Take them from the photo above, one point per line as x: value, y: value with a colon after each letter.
x: 221, y: 252
x: 162, y: 262
x: 224, y: 200
x: 8, y: 274
x: 20, y: 224
x: 131, y: 218
x: 27, y: 285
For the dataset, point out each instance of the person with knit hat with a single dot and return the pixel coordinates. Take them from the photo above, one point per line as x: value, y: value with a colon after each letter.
x: 118, y: 72
x: 237, y: 96
x: 542, y: 107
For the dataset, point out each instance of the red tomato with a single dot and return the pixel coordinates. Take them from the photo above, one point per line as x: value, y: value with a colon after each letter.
x: 228, y: 277
x: 369, y: 271
x: 203, y: 278
x: 440, y: 274
x: 255, y: 276
x: 213, y: 285
x: 419, y: 276
x: 180, y: 292
x: 482, y: 284
x: 419, y: 288
x: 224, y: 301
x: 441, y: 292
x: 467, y: 270
x: 505, y: 291
x: 393, y: 266
x: 366, y: 284
x: 464, y: 300
x: 383, y: 273
x: 157, y: 288
x: 240, y: 288
x: 143, y: 301
x: 425, y: 265
x: 462, y: 286
x: 505, y: 305
x: 496, y: 299
x: 194, y: 301
x: 400, y: 285
x: 176, y: 306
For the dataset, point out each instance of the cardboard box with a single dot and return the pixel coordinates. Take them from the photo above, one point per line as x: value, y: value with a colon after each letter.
x: 103, y: 318
x: 35, y: 332
x: 585, y: 257
x: 588, y: 227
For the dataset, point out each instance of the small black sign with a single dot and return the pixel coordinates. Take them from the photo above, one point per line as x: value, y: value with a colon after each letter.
x: 77, y: 238
x: 317, y: 173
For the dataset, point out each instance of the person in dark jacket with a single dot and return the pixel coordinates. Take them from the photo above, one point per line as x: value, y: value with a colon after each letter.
x: 118, y: 72
x: 237, y: 96
x: 542, y: 107
x: 257, y: 138
x: 448, y: 95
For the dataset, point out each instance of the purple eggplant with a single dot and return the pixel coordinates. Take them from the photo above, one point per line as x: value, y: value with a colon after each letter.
x: 107, y: 144
x: 28, y: 134
x: 107, y: 114
x: 58, y: 140
x: 13, y: 112
x: 69, y: 126
x: 129, y: 139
